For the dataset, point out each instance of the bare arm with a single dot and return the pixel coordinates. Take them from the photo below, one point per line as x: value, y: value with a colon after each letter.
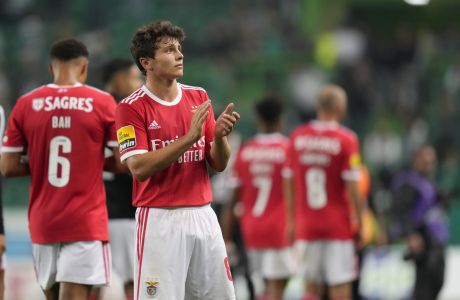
x: 220, y: 149
x: 11, y: 165
x: 356, y: 201
x: 228, y: 216
x: 143, y: 166
x: 288, y: 188
x: 113, y: 163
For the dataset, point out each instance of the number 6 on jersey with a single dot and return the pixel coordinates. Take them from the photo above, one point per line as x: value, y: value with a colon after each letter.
x: 62, y: 179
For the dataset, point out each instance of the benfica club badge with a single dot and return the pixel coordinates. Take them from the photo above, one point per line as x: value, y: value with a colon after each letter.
x: 151, y: 289
x: 37, y: 104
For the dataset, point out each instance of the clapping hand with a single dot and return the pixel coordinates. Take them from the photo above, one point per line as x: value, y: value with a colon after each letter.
x: 226, y: 121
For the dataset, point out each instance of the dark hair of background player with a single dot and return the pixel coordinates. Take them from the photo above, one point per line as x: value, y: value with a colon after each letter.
x: 269, y: 109
x: 114, y: 66
x: 68, y: 49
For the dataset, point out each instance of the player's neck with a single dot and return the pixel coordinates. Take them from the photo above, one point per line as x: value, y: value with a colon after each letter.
x: 269, y: 129
x: 165, y: 89
x: 65, y: 78
x: 324, y: 117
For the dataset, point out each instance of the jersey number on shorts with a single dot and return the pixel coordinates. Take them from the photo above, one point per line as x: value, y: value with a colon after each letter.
x: 57, y: 162
x: 315, y: 179
x: 264, y: 185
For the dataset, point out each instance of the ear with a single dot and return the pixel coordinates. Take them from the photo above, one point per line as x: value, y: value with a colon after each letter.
x: 83, y: 72
x: 146, y: 63
x: 50, y: 69
x: 84, y: 68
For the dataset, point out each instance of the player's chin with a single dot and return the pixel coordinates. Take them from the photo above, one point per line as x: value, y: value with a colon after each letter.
x: 178, y: 72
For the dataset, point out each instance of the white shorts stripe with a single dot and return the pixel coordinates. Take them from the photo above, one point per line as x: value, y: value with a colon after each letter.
x: 144, y: 215
x: 106, y: 263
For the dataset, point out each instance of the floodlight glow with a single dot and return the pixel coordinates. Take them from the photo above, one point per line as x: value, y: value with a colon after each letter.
x: 417, y: 2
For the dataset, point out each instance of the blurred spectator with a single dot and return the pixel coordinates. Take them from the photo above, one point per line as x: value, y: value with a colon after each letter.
x: 383, y: 147
x: 305, y: 85
x: 418, y: 216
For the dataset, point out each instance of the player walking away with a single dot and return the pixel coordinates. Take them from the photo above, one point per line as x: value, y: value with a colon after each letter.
x: 63, y: 128
x: 121, y: 77
x: 167, y: 133
x: 258, y: 169
x: 2, y: 228
x: 324, y: 159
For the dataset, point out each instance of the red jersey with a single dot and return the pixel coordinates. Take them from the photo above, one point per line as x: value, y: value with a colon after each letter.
x: 63, y: 130
x: 147, y: 123
x: 322, y: 156
x: 257, y: 172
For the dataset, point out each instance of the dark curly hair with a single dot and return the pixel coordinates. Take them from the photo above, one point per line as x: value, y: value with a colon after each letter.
x: 68, y: 49
x: 114, y: 66
x: 269, y: 109
x: 145, y: 40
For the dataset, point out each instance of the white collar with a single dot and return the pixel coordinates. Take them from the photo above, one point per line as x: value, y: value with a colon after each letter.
x: 55, y: 86
x: 161, y: 101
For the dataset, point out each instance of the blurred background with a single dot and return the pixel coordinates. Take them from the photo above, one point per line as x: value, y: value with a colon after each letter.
x: 398, y: 62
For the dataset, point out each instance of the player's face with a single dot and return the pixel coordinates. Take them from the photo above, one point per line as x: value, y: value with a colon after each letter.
x: 426, y: 161
x: 169, y: 61
x: 127, y: 82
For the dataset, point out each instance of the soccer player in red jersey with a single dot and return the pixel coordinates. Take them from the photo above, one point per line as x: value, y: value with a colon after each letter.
x: 63, y: 128
x: 120, y: 77
x: 166, y: 134
x: 257, y: 175
x: 324, y: 161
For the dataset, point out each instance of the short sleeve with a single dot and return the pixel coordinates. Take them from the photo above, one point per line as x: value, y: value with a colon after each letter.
x: 131, y: 132
x: 109, y: 123
x: 14, y: 139
x: 352, y: 159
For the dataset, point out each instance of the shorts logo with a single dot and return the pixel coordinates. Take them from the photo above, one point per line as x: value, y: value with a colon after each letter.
x: 126, y: 137
x: 37, y: 104
x: 151, y: 289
